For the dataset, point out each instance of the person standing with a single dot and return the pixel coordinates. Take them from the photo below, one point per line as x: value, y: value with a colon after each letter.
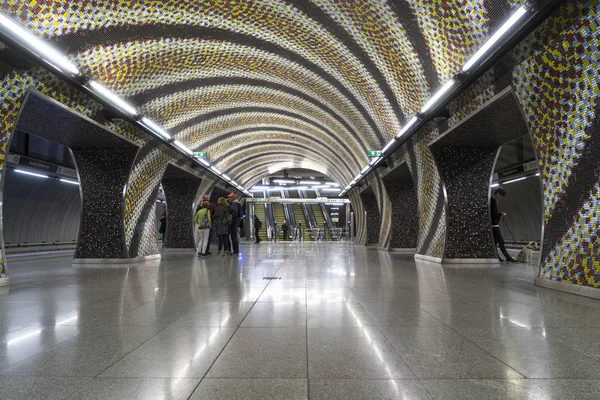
x: 496, y: 217
x: 222, y: 221
x: 211, y: 208
x: 257, y: 226
x: 285, y: 229
x: 163, y: 223
x: 204, y: 221
x: 235, y: 208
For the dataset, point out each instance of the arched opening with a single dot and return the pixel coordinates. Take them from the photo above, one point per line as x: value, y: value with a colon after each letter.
x: 466, y: 157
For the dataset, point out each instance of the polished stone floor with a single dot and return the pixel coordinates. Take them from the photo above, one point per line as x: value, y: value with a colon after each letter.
x: 343, y: 322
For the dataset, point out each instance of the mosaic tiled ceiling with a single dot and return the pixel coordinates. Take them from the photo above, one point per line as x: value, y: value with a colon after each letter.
x: 262, y: 82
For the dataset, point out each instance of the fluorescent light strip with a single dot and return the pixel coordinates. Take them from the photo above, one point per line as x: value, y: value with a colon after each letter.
x: 374, y: 160
x: 284, y: 181
x: 387, y: 146
x: 494, y: 185
x: 408, y: 125
x: 515, y: 180
x: 330, y: 190
x: 309, y: 182
x: 107, y: 94
x: 495, y: 37
x: 37, y: 46
x: 447, y: 86
x: 226, y: 177
x: 68, y: 181
x: 152, y: 126
x: 320, y: 186
x: 365, y: 169
x: 20, y: 171
x: 183, y: 147
x: 216, y: 171
x: 203, y: 161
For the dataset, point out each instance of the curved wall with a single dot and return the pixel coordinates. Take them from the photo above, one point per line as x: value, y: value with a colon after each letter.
x: 40, y: 210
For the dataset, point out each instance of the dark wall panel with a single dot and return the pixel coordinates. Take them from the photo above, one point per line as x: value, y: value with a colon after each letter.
x: 40, y: 210
x: 372, y: 218
x: 405, y: 215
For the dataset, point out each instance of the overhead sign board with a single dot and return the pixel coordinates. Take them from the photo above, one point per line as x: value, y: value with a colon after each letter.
x: 374, y: 153
x: 200, y: 154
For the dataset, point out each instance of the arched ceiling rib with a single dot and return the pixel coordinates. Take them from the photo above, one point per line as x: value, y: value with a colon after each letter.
x: 238, y: 73
x: 232, y: 161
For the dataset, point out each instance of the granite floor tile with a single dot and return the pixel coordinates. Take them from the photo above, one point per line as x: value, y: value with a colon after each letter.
x: 87, y: 354
x: 570, y: 389
x: 276, y: 315
x: 488, y: 389
x: 135, y: 388
x: 38, y: 387
x: 353, y: 353
x: 176, y: 352
x: 439, y: 352
x: 268, y: 353
x: 367, y: 389
x: 251, y: 389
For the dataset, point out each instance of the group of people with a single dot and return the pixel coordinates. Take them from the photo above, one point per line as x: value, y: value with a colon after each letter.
x: 223, y: 220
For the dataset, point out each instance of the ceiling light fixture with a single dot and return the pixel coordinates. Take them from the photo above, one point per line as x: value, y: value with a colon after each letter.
x: 112, y: 98
x: 387, y: 146
x: 521, y: 11
x: 432, y: 101
x: 69, y: 181
x: 20, y: 171
x: 37, y: 46
x: 153, y: 127
x: 183, y: 147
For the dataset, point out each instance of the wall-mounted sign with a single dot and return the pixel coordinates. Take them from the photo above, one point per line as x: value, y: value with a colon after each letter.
x: 200, y: 154
x: 374, y: 153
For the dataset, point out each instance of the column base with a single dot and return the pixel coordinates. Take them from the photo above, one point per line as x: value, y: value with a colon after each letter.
x: 5, y: 281
x: 461, y: 262
x: 99, y: 262
x: 579, y: 290
x: 428, y: 258
x: 401, y: 250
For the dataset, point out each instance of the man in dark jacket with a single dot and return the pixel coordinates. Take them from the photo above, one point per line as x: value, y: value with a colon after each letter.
x: 257, y: 226
x: 496, y: 217
x: 235, y: 208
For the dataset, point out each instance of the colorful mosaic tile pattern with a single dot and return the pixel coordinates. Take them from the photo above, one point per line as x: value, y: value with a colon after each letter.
x: 558, y: 84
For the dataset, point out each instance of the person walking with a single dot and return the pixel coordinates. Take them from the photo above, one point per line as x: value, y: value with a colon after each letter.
x: 204, y: 221
x: 235, y: 208
x: 496, y: 217
x: 285, y: 229
x: 211, y: 208
x: 222, y: 222
x: 257, y: 226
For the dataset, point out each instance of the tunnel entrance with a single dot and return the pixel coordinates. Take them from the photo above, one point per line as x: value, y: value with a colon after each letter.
x: 466, y: 156
x: 88, y: 210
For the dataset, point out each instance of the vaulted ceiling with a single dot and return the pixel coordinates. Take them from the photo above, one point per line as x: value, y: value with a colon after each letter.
x: 258, y: 83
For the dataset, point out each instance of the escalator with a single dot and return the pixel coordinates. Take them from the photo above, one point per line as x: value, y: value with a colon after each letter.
x: 299, y: 216
x: 259, y: 211
x: 320, y: 218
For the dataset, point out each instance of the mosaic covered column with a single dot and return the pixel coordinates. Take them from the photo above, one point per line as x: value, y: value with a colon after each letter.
x: 372, y: 217
x: 180, y: 195
x: 103, y: 174
x: 402, y: 193
x: 466, y: 173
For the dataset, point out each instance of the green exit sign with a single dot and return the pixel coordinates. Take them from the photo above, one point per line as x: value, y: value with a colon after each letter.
x: 200, y: 154
x: 374, y: 153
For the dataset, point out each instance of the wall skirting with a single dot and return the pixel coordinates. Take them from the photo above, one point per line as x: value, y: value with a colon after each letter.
x: 470, y: 261
x: 572, y: 288
x: 428, y: 258
x: 401, y: 250
x: 83, y: 262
